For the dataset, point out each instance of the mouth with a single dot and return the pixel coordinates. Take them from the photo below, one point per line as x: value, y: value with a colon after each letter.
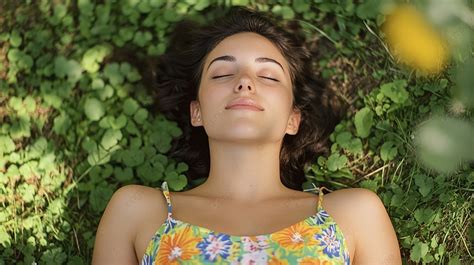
x: 240, y: 106
x: 244, y: 103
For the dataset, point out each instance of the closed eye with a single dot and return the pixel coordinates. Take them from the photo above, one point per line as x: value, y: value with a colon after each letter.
x: 219, y: 76
x: 273, y: 79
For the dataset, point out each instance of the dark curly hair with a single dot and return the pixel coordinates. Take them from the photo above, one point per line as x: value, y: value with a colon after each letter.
x: 177, y: 77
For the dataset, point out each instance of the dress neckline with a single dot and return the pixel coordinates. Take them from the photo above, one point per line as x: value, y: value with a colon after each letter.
x: 319, y: 218
x: 207, y: 230
x: 314, y: 218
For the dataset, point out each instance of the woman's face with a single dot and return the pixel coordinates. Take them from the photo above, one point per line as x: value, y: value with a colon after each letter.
x: 245, y: 65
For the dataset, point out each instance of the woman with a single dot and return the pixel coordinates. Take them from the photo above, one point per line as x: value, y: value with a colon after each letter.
x: 257, y: 116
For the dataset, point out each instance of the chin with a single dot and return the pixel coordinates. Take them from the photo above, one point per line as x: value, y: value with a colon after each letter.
x: 247, y: 135
x: 243, y: 135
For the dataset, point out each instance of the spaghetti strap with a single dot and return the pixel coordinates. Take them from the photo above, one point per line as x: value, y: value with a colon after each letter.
x: 319, y: 190
x: 166, y: 193
x: 321, y: 195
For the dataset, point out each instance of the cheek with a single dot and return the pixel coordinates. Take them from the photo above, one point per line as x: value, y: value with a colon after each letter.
x: 213, y: 102
x: 283, y: 96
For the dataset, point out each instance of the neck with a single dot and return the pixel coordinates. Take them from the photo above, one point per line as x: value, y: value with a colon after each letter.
x: 244, y: 172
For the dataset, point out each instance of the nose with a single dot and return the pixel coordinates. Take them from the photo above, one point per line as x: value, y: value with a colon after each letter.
x: 245, y: 83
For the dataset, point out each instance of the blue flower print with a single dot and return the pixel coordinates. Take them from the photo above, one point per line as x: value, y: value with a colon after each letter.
x: 320, y: 217
x: 147, y: 260
x: 215, y: 245
x: 329, y: 241
x: 170, y: 223
x: 347, y: 258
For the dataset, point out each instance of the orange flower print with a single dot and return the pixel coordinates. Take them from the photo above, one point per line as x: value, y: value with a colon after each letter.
x: 312, y: 261
x: 296, y: 236
x: 177, y: 247
x: 276, y: 261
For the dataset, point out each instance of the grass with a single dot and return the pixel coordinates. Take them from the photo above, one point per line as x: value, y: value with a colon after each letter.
x: 56, y: 179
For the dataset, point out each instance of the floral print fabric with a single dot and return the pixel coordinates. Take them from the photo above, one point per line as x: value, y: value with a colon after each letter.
x: 315, y: 240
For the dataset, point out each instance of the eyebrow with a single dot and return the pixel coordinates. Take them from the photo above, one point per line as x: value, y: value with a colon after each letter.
x: 230, y: 58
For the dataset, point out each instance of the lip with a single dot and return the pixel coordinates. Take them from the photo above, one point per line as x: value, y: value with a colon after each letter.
x: 244, y: 103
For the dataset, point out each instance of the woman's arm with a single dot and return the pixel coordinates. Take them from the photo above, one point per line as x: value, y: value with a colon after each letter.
x: 114, y: 242
x: 376, y: 240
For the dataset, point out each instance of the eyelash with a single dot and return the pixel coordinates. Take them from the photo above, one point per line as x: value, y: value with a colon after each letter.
x: 273, y: 79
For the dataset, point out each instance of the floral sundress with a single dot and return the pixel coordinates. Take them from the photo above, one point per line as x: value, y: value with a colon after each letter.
x: 314, y: 240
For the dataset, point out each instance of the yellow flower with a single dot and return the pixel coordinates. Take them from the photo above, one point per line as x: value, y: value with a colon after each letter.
x: 178, y: 247
x: 312, y: 261
x: 414, y: 41
x: 296, y: 236
x: 277, y: 261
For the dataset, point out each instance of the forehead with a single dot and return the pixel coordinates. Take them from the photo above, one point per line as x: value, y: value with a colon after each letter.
x: 247, y: 45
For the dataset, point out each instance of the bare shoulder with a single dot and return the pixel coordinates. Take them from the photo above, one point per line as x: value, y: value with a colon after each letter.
x: 362, y: 212
x: 138, y: 196
x: 118, y: 227
x: 133, y: 201
x: 359, y: 197
x: 363, y: 205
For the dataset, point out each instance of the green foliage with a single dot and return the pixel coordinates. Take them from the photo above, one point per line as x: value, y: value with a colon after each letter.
x: 368, y: 9
x: 69, y: 68
x: 443, y: 148
x: 6, y: 144
x: 77, y: 123
x: 465, y: 79
x: 94, y: 109
x: 363, y: 121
